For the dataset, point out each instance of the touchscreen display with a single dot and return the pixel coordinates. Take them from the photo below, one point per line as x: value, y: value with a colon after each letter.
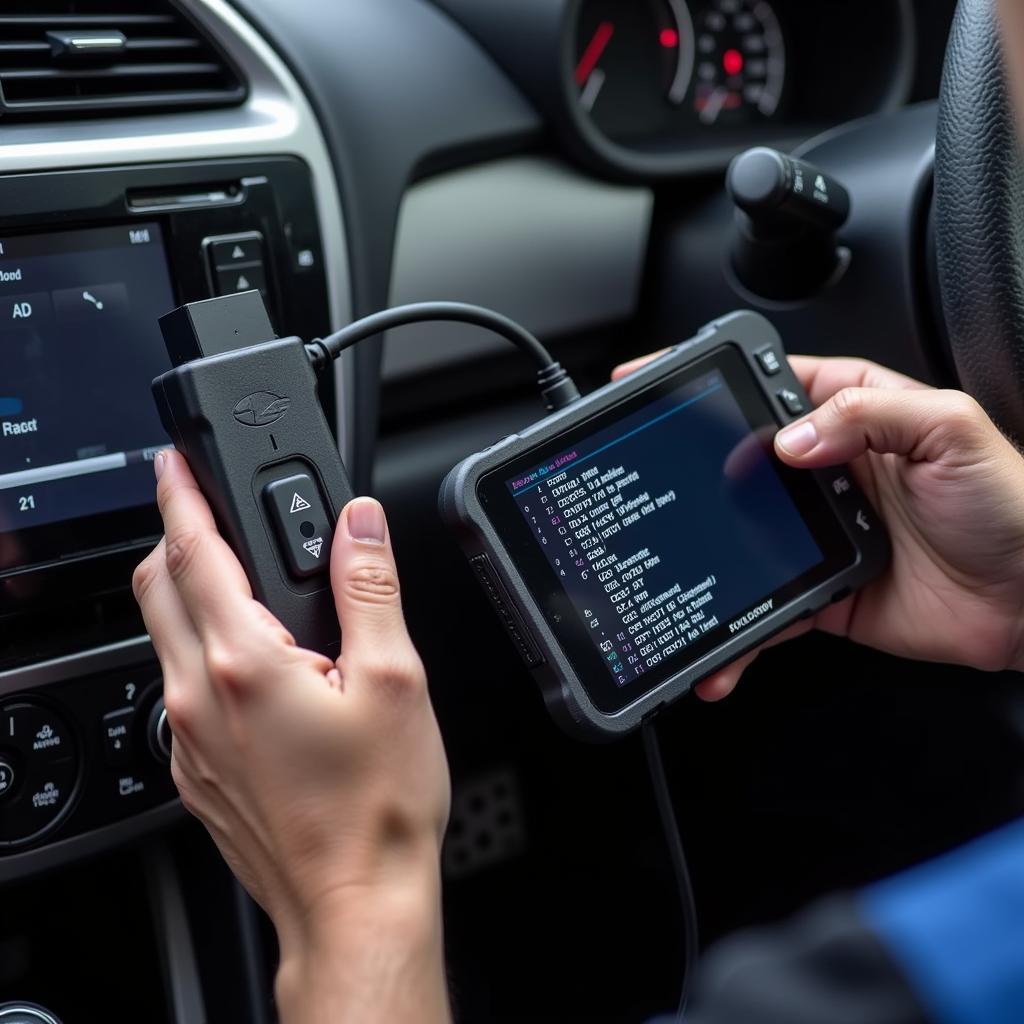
x: 79, y: 348
x: 667, y: 526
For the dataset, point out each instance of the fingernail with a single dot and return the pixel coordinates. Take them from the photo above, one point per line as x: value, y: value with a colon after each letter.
x: 798, y: 440
x: 160, y: 464
x: 366, y: 521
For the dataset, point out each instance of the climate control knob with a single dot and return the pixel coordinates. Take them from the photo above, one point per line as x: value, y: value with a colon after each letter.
x: 159, y: 734
x: 25, y: 1013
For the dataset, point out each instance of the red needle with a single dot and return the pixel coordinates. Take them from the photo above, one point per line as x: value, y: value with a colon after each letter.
x: 592, y: 54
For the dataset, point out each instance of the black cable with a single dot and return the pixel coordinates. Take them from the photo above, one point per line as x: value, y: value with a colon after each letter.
x: 667, y: 812
x: 556, y: 385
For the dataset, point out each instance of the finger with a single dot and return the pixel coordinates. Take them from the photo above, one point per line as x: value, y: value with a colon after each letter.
x: 206, y: 572
x: 722, y: 683
x: 823, y: 377
x: 187, y: 695
x: 924, y: 425
x: 718, y: 686
x: 625, y: 369
x: 167, y: 621
x: 365, y: 582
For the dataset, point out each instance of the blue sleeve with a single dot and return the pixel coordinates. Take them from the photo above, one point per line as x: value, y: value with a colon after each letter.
x: 955, y: 926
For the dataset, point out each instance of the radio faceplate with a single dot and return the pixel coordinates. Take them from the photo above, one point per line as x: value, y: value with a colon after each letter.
x: 85, y: 260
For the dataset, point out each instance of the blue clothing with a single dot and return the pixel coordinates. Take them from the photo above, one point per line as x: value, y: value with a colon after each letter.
x: 942, y: 943
x: 955, y: 926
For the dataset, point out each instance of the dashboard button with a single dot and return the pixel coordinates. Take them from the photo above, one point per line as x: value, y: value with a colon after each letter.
x: 241, y: 279
x: 38, y: 734
x: 117, y: 736
x: 791, y: 402
x: 300, y: 520
x: 6, y: 780
x: 25, y: 310
x: 40, y: 801
x: 129, y: 786
x: 92, y: 302
x: 769, y: 361
x: 228, y: 251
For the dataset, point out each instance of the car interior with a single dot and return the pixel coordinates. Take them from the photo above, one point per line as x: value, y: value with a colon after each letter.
x: 562, y: 162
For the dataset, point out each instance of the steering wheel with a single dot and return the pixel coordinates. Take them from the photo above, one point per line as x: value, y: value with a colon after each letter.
x: 979, y: 204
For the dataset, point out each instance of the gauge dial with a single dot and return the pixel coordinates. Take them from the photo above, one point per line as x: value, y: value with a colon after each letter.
x: 741, y: 61
x: 633, y: 60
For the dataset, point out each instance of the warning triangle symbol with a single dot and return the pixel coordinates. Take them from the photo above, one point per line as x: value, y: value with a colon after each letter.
x: 299, y: 503
x: 243, y: 283
x: 238, y: 253
x: 314, y: 547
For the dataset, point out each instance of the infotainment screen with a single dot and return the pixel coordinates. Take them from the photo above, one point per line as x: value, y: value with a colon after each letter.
x: 652, y: 534
x: 79, y: 347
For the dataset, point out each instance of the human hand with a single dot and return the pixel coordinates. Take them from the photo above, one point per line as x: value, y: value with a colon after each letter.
x: 950, y: 489
x: 324, y: 785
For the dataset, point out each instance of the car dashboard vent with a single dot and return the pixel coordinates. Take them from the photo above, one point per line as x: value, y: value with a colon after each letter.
x: 88, y: 58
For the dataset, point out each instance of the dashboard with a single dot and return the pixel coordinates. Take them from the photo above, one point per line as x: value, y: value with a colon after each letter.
x: 660, y: 88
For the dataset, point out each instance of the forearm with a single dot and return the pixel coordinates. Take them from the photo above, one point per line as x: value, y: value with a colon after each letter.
x: 376, y: 959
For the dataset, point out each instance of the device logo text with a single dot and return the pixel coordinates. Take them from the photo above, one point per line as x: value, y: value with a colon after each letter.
x: 261, y: 409
x: 752, y: 616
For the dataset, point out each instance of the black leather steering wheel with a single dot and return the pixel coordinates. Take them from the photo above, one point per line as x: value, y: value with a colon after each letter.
x: 979, y: 197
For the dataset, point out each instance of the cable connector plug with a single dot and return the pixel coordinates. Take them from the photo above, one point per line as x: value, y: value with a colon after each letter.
x: 557, y: 388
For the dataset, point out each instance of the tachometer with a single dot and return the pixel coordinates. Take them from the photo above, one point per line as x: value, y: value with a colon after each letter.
x: 631, y: 58
x: 741, y: 61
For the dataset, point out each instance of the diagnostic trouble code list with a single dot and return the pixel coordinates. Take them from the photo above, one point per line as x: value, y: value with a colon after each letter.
x: 656, y: 535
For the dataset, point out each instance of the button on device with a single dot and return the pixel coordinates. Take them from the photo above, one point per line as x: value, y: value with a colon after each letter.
x: 237, y: 263
x: 791, y: 402
x: 43, y: 758
x: 227, y: 251
x: 91, y: 303
x: 24, y: 310
x: 35, y: 732
x: 43, y: 796
x: 769, y: 361
x: 6, y: 779
x: 117, y: 736
x: 513, y: 624
x: 241, y: 279
x: 301, y: 523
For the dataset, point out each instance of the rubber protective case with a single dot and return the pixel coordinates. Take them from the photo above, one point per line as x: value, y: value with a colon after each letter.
x: 563, y: 690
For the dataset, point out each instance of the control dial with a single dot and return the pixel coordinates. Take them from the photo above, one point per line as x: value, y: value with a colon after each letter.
x: 160, y: 732
x: 38, y: 771
x: 25, y: 1013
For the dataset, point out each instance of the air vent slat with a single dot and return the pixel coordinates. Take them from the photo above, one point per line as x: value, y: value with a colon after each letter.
x: 162, y: 62
x: 47, y: 21
x: 117, y: 71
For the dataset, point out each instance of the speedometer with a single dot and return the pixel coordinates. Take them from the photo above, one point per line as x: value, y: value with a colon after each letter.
x: 741, y: 61
x: 634, y: 58
x: 646, y: 71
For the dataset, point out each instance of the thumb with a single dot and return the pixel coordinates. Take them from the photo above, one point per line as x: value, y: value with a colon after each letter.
x: 926, y: 426
x: 365, y: 582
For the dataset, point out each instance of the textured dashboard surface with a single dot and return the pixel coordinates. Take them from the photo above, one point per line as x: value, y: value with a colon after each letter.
x: 979, y: 191
x: 398, y: 88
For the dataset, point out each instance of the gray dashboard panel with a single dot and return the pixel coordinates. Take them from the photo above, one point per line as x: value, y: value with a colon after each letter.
x: 387, y: 122
x: 528, y: 236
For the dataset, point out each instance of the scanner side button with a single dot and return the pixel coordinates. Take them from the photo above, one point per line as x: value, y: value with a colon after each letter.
x: 514, y: 625
x: 300, y: 521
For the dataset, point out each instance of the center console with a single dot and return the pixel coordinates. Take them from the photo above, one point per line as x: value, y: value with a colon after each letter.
x: 88, y: 262
x: 117, y: 906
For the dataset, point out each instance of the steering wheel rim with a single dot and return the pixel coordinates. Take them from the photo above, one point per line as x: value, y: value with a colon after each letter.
x: 979, y: 197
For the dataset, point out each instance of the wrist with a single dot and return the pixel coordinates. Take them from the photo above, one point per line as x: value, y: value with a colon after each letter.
x: 368, y: 953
